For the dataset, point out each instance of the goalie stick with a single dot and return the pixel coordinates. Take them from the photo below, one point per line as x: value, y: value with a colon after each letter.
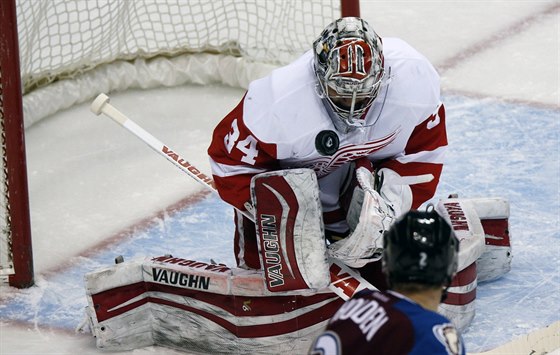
x: 345, y: 282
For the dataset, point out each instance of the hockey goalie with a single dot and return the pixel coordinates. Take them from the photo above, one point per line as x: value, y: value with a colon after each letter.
x: 318, y: 159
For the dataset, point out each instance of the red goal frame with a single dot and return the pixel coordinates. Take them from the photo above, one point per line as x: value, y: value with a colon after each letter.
x: 15, y: 158
x: 350, y: 8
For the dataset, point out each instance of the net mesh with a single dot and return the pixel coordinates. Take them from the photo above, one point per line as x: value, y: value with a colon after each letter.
x: 6, y: 264
x: 60, y: 39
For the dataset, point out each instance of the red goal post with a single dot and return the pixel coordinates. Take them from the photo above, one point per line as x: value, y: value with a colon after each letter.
x: 70, y: 51
x: 16, y: 261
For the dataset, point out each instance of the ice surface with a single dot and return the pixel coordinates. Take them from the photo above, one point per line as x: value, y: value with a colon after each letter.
x: 97, y: 192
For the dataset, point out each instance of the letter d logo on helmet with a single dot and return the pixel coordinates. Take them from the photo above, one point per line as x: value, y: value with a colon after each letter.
x: 353, y: 58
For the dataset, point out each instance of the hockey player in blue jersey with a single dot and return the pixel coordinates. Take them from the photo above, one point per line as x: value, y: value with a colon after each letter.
x: 419, y: 260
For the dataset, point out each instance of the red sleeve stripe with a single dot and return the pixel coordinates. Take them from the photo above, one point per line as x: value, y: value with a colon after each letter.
x: 428, y: 135
x: 234, y: 189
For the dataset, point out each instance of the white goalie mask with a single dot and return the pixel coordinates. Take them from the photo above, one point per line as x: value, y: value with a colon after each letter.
x: 348, y: 62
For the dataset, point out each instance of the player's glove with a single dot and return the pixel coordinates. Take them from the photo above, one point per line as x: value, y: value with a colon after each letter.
x: 365, y: 243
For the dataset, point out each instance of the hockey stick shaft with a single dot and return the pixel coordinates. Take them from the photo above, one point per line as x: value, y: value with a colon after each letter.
x: 345, y: 282
x: 101, y: 105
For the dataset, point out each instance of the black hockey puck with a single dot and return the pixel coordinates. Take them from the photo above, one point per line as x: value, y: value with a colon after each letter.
x: 327, y: 142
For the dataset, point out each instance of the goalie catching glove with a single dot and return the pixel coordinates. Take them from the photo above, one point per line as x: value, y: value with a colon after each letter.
x: 377, y: 212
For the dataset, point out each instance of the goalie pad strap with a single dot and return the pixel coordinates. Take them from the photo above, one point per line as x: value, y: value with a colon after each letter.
x: 290, y: 230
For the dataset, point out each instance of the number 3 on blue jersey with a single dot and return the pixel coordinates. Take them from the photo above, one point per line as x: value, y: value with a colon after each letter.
x: 247, y: 146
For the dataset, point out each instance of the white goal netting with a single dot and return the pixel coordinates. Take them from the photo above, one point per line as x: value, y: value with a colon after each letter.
x: 71, y: 50
x: 6, y: 263
x: 63, y: 39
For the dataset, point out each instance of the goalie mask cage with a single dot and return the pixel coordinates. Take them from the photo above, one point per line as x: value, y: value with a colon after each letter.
x: 70, y: 51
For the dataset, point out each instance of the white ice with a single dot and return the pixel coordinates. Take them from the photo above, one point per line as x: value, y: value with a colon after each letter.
x: 91, y: 182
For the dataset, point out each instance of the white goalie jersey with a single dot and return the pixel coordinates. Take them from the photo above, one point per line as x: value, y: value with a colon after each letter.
x: 281, y: 123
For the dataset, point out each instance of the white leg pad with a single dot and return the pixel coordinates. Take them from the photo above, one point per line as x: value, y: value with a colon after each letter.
x: 202, y: 308
x: 460, y: 305
x: 481, y: 225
